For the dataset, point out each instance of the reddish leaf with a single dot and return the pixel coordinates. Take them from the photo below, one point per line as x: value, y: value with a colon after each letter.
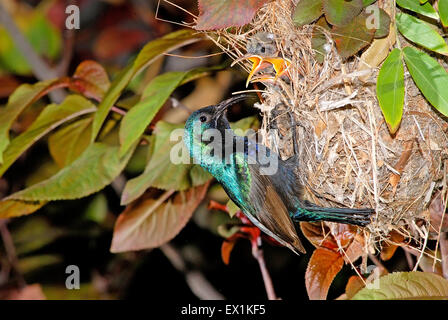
x: 218, y: 14
x: 391, y: 245
x: 352, y: 37
x: 149, y: 223
x: 226, y: 249
x: 319, y: 235
x: 114, y: 41
x: 355, y: 249
x: 90, y: 79
x: 30, y: 292
x: 323, y: 266
x: 7, y: 85
x: 354, y: 284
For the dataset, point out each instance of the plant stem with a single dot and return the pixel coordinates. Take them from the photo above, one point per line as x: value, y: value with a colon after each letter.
x: 11, y: 252
x: 257, y: 252
x: 444, y: 252
x: 198, y: 284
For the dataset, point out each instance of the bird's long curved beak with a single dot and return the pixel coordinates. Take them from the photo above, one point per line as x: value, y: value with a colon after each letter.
x: 224, y: 105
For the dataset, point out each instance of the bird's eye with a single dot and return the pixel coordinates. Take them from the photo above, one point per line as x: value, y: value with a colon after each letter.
x: 203, y: 118
x: 263, y: 49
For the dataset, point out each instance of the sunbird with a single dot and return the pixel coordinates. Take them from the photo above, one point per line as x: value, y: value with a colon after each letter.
x: 262, y: 52
x: 273, y: 201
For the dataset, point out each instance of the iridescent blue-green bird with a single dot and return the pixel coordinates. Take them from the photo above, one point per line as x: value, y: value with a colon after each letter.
x: 272, y: 202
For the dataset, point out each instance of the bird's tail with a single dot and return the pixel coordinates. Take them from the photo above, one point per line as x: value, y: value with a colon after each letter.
x: 311, y: 213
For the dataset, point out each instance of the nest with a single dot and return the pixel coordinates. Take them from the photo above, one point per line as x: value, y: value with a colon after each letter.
x: 347, y: 156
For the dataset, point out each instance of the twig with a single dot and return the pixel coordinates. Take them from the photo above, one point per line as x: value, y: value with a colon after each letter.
x: 378, y: 263
x: 40, y: 69
x: 444, y: 252
x: 11, y: 252
x: 257, y: 252
x: 198, y: 284
x: 409, y: 259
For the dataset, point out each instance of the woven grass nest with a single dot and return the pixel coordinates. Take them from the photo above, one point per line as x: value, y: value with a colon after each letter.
x: 347, y: 155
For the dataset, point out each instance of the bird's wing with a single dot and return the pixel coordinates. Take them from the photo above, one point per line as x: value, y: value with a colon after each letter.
x: 272, y: 215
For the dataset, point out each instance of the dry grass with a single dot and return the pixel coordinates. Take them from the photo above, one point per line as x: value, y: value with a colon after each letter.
x: 347, y: 155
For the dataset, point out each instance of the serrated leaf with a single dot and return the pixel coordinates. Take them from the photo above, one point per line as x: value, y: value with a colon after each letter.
x: 140, y: 116
x: 22, y: 97
x: 352, y: 37
x: 161, y: 172
x: 50, y: 118
x: 429, y: 76
x: 68, y: 143
x: 406, y: 286
x: 442, y: 6
x: 12, y: 208
x: 425, y: 9
x: 341, y: 12
x: 218, y: 14
x: 147, y: 55
x: 307, y: 11
x: 149, y: 223
x: 421, y: 33
x: 90, y: 79
x: 323, y: 266
x: 97, y: 167
x: 390, y: 89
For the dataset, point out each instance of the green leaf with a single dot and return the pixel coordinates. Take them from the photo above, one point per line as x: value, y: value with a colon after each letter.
x: 97, y: 167
x: 352, y: 37
x: 425, y: 9
x: 367, y: 3
x: 406, y: 286
x: 147, y: 55
x: 429, y: 76
x: 390, y: 89
x: 21, y: 98
x: 43, y: 36
x: 12, y: 208
x: 68, y: 143
x: 232, y: 207
x: 140, y: 116
x: 161, y: 172
x: 341, y: 12
x: 50, y: 118
x: 97, y: 209
x: 307, y: 11
x: 443, y: 11
x: 35, y: 233
x: 420, y: 32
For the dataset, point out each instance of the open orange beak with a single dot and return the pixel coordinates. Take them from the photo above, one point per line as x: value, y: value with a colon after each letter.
x: 281, y: 66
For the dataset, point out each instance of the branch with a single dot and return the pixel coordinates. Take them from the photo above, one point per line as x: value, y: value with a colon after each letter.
x: 444, y: 252
x: 257, y: 252
x: 11, y: 251
x: 198, y: 284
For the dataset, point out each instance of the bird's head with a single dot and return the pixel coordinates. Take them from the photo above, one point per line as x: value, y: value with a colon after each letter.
x: 208, y: 118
